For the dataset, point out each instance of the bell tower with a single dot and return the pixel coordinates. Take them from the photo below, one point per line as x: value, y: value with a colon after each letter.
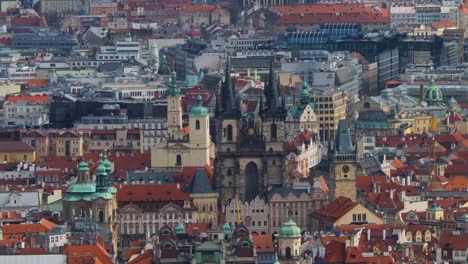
x: 227, y: 112
x: 174, y: 110
x: 343, y: 164
x: 274, y: 116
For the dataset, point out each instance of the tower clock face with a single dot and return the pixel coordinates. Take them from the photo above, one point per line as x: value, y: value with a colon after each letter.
x: 345, y: 169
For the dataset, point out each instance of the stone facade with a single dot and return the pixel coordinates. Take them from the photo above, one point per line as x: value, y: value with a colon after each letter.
x: 254, y: 214
x: 188, y: 147
x: 343, y: 164
x: 251, y: 154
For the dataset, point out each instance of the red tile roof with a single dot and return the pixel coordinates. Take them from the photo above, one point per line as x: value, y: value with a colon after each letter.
x: 82, y: 254
x: 197, y: 228
x: 150, y: 192
x: 29, y: 98
x: 443, y: 24
x: 457, y: 183
x: 311, y: 19
x: 458, y: 242
x: 21, y: 229
x: 202, y: 8
x: 263, y: 243
x: 15, y: 146
x: 302, y: 138
x: 335, y: 210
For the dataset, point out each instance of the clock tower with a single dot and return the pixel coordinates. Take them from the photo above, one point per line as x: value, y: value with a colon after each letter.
x: 343, y: 164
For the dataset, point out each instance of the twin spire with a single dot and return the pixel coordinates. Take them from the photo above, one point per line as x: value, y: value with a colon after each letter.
x: 229, y: 103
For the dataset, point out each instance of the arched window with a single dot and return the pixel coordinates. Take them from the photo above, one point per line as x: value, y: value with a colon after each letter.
x: 101, y: 216
x: 229, y: 133
x: 366, y: 105
x: 178, y: 160
x: 273, y: 132
x: 197, y: 124
x: 229, y: 172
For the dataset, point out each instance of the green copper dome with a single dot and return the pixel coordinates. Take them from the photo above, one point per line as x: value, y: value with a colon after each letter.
x: 433, y: 94
x: 82, y: 188
x: 227, y: 229
x: 83, y: 166
x: 305, y: 89
x: 289, y: 229
x: 199, y: 110
x: 101, y: 169
x: 276, y: 259
x: 180, y: 229
x: 173, y: 90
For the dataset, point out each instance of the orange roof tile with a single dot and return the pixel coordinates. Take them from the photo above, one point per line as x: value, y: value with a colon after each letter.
x: 443, y: 24
x: 29, y: 98
x: 458, y: 183
x: 18, y: 229
x: 82, y: 254
x: 150, y: 192
x: 263, y: 243
x: 198, y: 8
x: 335, y: 210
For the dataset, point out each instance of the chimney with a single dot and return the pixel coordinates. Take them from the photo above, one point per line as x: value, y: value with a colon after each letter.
x: 375, y: 187
x: 368, y: 234
x: 408, y: 180
x: 391, y: 191
x: 348, y: 244
x: 384, y: 234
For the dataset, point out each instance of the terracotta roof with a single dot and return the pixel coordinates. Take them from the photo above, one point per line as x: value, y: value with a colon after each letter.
x: 458, y: 242
x: 329, y: 18
x: 335, y: 210
x: 302, y: 138
x: 18, y: 229
x: 29, y: 98
x: 443, y: 24
x: 327, y: 9
x: 14, y: 146
x: 150, y: 192
x: 458, y: 183
x: 10, y: 215
x: 82, y: 254
x: 263, y: 243
x: 145, y: 258
x: 197, y: 228
x: 198, y: 8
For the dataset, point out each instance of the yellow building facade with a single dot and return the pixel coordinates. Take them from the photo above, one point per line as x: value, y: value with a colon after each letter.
x: 182, y: 149
x: 16, y: 151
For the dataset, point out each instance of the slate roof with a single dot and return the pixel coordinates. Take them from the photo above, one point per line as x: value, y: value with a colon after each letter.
x: 201, y: 183
x: 285, y: 191
x: 148, y: 176
x: 343, y: 144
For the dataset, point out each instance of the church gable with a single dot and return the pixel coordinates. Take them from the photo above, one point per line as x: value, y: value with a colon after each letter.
x: 130, y: 208
x: 171, y: 207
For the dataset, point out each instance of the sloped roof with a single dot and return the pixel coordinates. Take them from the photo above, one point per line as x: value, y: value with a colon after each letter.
x: 15, y: 146
x: 201, y: 183
x: 150, y: 192
x: 86, y: 253
x: 335, y: 210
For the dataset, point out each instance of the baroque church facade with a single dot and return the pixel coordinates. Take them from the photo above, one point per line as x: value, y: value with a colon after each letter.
x: 251, y: 154
x: 184, y: 147
x: 88, y: 199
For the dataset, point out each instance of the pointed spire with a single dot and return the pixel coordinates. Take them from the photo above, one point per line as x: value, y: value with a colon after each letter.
x: 173, y: 90
x: 227, y: 92
x: 271, y: 90
x: 305, y: 97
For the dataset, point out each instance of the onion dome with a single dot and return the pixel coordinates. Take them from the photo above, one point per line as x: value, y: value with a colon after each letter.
x: 289, y: 229
x: 199, y: 110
